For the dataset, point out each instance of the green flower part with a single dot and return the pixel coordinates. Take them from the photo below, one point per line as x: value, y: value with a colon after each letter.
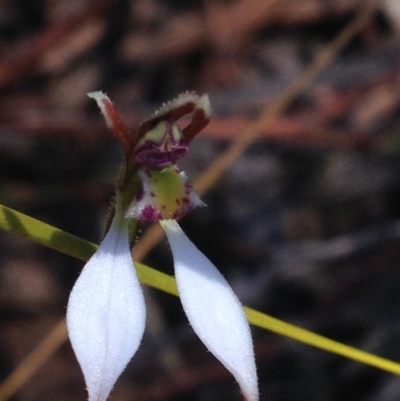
x: 165, y: 194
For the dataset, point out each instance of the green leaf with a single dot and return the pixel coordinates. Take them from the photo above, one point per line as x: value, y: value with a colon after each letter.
x: 45, y: 234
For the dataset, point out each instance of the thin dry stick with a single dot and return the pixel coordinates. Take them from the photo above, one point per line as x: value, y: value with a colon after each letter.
x: 255, y: 128
x: 58, y: 335
x: 34, y: 361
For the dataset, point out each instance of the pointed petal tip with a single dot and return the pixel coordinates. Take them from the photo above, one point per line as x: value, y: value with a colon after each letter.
x: 205, y: 105
x: 106, y: 315
x: 106, y: 107
x: 97, y: 95
x: 213, y: 310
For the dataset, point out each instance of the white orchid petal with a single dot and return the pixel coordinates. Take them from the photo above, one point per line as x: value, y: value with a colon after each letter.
x: 213, y: 310
x: 106, y: 314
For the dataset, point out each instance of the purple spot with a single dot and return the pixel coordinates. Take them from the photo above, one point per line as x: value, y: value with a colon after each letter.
x: 150, y: 214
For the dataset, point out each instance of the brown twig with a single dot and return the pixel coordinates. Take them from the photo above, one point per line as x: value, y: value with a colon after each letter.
x: 34, y: 361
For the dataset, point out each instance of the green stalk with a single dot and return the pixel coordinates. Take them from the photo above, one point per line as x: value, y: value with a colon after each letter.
x: 18, y: 223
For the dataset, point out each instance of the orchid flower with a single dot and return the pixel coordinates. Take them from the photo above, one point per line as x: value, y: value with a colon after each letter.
x: 106, y: 312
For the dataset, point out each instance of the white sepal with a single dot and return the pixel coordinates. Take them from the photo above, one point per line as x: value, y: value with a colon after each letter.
x: 213, y: 310
x: 106, y: 314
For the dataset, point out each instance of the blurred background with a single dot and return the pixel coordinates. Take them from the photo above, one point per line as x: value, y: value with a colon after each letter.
x: 305, y: 224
